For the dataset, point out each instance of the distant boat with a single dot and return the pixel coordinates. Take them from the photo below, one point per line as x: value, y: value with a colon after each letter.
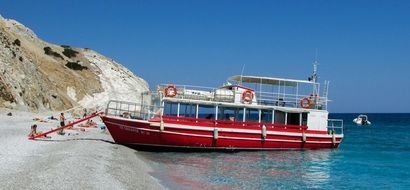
x: 362, y: 120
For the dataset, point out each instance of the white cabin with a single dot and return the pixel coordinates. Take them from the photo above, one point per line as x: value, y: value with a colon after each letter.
x: 251, y: 99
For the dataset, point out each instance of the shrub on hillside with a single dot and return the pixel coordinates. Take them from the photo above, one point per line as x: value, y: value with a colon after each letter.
x: 17, y: 42
x: 75, y: 66
x: 70, y: 52
x: 49, y: 51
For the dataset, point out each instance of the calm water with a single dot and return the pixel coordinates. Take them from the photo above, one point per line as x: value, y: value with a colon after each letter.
x: 376, y: 157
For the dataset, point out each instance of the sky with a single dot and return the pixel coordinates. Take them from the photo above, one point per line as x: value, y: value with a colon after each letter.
x: 363, y: 46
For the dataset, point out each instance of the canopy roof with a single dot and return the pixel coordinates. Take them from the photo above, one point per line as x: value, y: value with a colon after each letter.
x: 269, y: 80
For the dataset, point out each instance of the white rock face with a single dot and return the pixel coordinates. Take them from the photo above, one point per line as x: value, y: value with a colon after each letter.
x: 117, y: 81
x: 36, y: 75
x: 71, y: 93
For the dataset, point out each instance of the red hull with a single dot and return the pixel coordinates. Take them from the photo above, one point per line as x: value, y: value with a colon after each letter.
x: 179, y: 134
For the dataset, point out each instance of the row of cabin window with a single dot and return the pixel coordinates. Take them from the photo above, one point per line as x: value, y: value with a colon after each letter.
x: 234, y: 114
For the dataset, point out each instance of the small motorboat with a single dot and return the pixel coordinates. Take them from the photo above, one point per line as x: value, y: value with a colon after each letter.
x: 362, y: 120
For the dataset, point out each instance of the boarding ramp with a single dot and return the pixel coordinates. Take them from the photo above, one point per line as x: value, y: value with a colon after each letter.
x: 66, y: 126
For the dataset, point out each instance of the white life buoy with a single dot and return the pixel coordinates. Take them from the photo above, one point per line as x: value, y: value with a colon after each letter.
x: 247, y: 96
x: 170, y: 91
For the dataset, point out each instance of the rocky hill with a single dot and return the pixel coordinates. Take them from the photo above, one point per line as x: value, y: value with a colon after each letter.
x: 36, y: 75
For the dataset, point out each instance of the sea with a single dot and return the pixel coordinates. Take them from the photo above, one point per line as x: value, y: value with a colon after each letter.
x: 370, y: 157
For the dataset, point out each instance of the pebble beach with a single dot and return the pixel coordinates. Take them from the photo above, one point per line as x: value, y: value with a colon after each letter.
x: 80, y: 159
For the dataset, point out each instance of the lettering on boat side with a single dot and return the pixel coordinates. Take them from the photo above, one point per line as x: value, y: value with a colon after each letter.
x: 132, y: 129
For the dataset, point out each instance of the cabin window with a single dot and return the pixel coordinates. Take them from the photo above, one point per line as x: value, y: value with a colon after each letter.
x: 279, y: 117
x: 230, y: 113
x: 304, y: 119
x: 206, y: 112
x: 293, y: 118
x: 187, y: 110
x: 252, y: 115
x: 170, y: 108
x: 266, y: 116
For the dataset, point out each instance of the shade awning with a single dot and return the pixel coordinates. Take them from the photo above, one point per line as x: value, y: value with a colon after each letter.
x: 269, y: 80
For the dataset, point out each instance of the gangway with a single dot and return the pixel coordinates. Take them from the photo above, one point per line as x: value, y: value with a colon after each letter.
x: 66, y: 126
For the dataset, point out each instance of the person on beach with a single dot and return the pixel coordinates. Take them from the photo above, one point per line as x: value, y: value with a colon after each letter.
x: 33, y: 130
x: 71, y: 126
x: 62, y: 123
x: 85, y: 113
x: 62, y: 119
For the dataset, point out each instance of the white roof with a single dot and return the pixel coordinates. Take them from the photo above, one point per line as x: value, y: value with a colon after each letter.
x: 269, y: 80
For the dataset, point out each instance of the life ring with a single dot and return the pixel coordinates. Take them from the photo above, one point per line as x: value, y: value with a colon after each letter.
x: 305, y: 102
x: 247, y: 96
x: 170, y: 91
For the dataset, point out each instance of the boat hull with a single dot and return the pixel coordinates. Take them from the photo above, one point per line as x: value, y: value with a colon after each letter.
x: 195, y: 136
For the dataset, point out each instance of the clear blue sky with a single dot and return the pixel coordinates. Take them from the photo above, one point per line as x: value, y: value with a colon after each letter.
x: 363, y: 46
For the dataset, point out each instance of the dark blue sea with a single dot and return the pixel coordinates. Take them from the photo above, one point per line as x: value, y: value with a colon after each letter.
x: 371, y: 157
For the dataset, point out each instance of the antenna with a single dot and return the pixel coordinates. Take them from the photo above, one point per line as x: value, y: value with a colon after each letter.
x: 243, y: 68
x: 314, y: 76
x: 315, y: 64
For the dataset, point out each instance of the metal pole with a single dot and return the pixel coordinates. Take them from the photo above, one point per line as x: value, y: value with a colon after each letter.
x: 273, y: 116
x: 178, y: 109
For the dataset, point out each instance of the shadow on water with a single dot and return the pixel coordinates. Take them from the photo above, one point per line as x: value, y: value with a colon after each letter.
x: 159, y: 149
x: 243, y: 169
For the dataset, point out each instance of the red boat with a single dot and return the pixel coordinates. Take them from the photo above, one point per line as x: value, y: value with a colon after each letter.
x: 233, y: 117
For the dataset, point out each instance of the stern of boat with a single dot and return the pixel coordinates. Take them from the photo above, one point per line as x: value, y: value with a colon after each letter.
x: 335, y: 130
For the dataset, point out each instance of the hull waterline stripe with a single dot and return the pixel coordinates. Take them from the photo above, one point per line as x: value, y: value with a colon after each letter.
x: 178, y: 126
x: 224, y: 137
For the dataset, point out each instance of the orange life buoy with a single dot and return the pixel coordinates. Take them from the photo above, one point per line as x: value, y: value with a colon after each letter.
x: 305, y: 102
x: 247, y: 96
x: 170, y: 91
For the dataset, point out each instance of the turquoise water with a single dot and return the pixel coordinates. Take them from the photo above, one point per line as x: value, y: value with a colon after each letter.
x: 375, y: 157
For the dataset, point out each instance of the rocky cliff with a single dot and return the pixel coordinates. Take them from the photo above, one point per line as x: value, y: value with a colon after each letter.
x: 36, y: 75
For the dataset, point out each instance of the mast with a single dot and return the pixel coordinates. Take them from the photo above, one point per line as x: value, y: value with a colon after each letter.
x: 314, y: 77
x: 315, y: 64
x: 243, y: 68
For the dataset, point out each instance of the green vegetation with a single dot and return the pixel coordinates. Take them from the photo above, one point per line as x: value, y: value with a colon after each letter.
x: 65, y: 46
x: 17, y: 42
x: 75, y: 66
x: 69, y: 52
x: 49, y: 51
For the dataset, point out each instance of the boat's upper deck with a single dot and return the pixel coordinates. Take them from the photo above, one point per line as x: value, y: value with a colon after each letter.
x: 252, y: 90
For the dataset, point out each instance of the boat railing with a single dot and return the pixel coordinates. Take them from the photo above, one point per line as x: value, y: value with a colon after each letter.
x: 220, y: 123
x: 263, y: 98
x: 200, y: 93
x: 291, y: 100
x: 335, y: 126
x: 131, y: 110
